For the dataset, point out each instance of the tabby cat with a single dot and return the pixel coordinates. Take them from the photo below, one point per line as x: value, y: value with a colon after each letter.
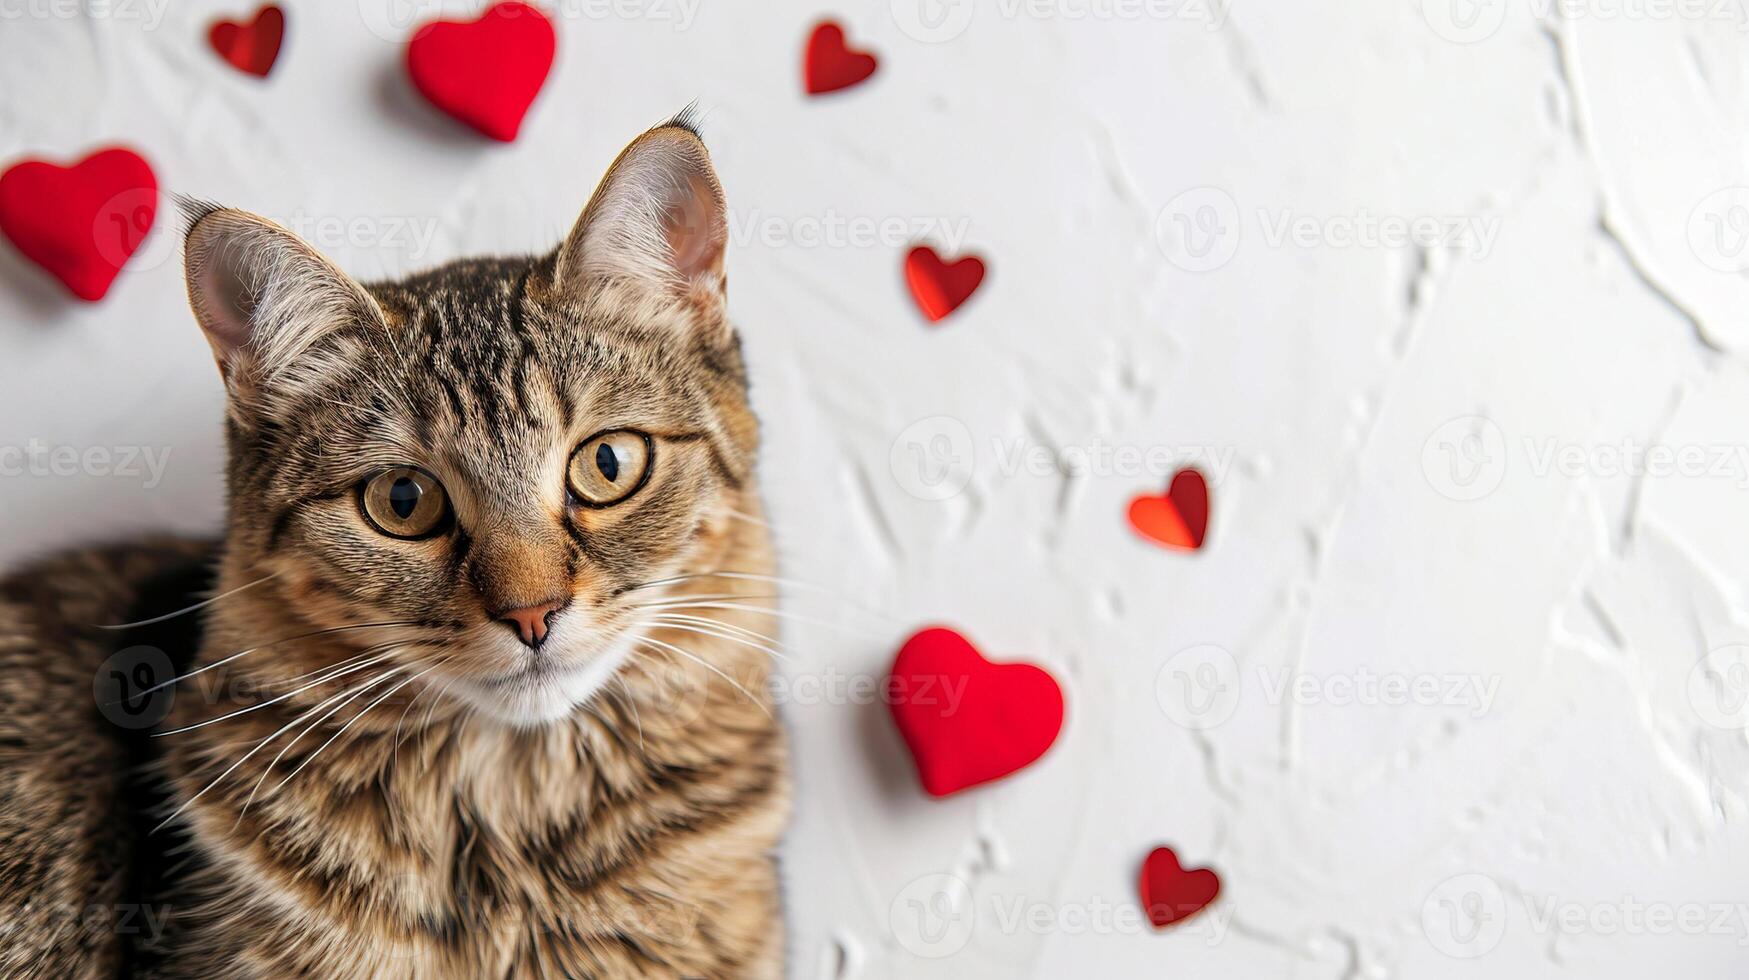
x: 479, y: 688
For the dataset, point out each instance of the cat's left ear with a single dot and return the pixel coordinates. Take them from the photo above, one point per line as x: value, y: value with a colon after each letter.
x: 263, y: 296
x: 657, y: 221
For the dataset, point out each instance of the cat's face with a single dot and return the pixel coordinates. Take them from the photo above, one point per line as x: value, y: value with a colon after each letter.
x: 505, y: 454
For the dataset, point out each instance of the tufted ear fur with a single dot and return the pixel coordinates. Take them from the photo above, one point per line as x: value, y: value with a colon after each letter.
x: 264, y: 298
x: 657, y: 221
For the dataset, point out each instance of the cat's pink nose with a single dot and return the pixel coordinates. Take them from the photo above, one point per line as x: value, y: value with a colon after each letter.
x: 530, y: 623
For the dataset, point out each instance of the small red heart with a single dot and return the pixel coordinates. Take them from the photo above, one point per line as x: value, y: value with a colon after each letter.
x: 940, y: 287
x: 966, y: 720
x: 1179, y: 519
x: 1170, y: 893
x: 485, y: 72
x: 830, y: 65
x: 250, y: 47
x: 81, y: 223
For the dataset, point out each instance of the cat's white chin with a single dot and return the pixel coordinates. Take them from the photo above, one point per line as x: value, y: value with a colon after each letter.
x: 541, y: 695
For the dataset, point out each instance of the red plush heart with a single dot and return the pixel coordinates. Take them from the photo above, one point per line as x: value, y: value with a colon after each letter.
x: 485, y: 72
x: 81, y: 223
x: 939, y: 287
x: 250, y: 47
x: 1177, y: 520
x: 1170, y: 893
x: 966, y: 720
x: 830, y: 65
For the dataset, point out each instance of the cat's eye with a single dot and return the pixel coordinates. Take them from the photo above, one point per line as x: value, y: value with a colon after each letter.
x: 405, y: 502
x: 610, y: 467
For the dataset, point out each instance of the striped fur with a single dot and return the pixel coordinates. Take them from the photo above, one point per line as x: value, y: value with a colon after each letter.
x: 430, y: 798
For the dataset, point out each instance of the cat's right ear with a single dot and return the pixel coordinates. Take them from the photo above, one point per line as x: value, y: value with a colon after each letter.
x: 263, y: 297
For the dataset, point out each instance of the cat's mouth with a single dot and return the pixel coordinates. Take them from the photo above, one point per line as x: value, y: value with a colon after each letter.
x: 543, y: 685
x: 538, y: 667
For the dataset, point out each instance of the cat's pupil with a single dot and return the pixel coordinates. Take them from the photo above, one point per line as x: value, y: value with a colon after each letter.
x: 607, y: 461
x: 404, y: 497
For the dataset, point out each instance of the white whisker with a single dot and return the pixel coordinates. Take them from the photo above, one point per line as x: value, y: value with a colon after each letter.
x: 724, y: 624
x: 692, y: 627
x: 710, y: 667
x: 632, y: 703
x: 777, y: 614
x: 272, y: 701
x: 183, y: 612
x: 265, y: 646
x: 349, y: 723
x: 220, y: 777
x: 351, y: 694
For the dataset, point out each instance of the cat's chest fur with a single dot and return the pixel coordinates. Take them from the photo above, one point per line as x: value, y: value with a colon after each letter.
x: 617, y: 843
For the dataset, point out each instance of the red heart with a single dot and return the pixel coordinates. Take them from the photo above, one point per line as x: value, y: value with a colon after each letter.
x: 966, y: 720
x: 81, y: 223
x: 1179, y: 519
x: 830, y: 65
x: 938, y: 287
x: 485, y: 72
x: 1170, y: 893
x: 250, y: 47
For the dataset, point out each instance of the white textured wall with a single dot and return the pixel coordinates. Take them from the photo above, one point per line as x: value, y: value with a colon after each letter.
x: 1575, y: 765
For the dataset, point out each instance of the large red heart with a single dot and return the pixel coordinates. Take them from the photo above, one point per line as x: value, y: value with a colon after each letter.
x: 966, y: 720
x: 81, y: 223
x: 1170, y: 893
x: 485, y: 72
x: 830, y: 65
x: 250, y: 47
x: 1179, y: 519
x: 939, y: 287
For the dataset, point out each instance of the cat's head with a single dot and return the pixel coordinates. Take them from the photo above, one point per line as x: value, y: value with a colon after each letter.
x: 503, y: 453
